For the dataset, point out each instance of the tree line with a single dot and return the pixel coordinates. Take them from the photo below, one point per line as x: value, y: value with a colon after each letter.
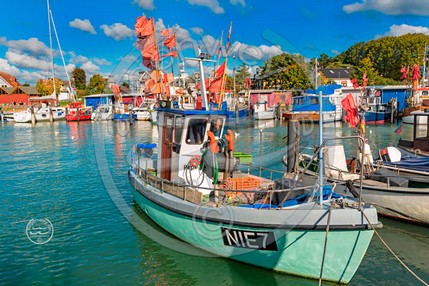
x: 381, y: 60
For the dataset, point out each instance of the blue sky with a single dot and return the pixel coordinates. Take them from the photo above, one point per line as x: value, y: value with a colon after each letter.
x: 98, y: 36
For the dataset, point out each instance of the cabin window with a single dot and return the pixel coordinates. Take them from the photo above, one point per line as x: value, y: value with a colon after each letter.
x: 178, y: 128
x: 216, y: 126
x: 196, y: 131
x: 169, y: 129
x: 314, y: 100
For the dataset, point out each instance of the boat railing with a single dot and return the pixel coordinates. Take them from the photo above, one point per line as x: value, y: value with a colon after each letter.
x: 361, y: 144
x: 262, y: 196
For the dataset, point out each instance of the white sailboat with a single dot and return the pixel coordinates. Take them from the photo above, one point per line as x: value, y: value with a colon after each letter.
x: 42, y: 111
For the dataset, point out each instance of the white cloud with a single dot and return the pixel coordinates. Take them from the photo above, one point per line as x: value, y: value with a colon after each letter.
x: 145, y: 4
x: 236, y: 2
x: 90, y: 68
x: 197, y: 30
x: 32, y: 46
x: 24, y: 60
x: 84, y: 25
x: 390, y: 7
x: 6, y: 67
x: 212, y: 4
x: 253, y: 55
x: 101, y: 62
x: 117, y: 31
x: 399, y: 30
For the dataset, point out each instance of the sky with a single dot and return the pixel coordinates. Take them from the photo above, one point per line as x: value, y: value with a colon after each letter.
x: 98, y: 36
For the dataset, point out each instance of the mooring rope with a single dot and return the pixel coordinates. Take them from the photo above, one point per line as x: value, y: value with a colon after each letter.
x: 391, y: 251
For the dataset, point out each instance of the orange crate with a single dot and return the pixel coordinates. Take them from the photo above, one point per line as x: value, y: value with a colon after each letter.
x: 244, y: 183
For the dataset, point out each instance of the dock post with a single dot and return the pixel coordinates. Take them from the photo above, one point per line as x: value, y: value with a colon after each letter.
x: 51, y: 115
x: 292, y: 145
x: 131, y: 117
x: 33, y: 116
x: 2, y: 117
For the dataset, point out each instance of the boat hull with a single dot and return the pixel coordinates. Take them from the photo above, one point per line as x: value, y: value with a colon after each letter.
x: 406, y: 204
x: 262, y: 115
x: 409, y: 204
x: 377, y: 117
x: 312, y: 116
x: 292, y: 245
x: 123, y: 116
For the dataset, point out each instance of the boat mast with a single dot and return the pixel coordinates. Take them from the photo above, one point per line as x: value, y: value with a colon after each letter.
x: 50, y: 46
x: 62, y: 57
x: 202, y: 58
x: 321, y: 171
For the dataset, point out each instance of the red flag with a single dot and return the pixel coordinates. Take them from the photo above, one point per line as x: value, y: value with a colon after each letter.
x: 171, y: 54
x: 404, y: 72
x: 247, y: 83
x: 220, y: 71
x: 206, y: 82
x: 229, y: 39
x: 115, y: 89
x: 144, y: 27
x: 350, y: 107
x: 146, y: 43
x: 165, y: 32
x: 168, y: 78
x: 216, y: 85
x: 355, y: 83
x: 365, y: 80
x: 399, y: 130
x: 170, y: 42
x: 416, y: 72
x: 220, y: 48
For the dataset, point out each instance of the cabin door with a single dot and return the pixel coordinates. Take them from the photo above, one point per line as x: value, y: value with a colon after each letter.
x: 167, y: 147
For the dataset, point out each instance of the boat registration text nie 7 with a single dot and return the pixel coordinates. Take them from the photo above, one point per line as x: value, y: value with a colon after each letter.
x: 249, y: 239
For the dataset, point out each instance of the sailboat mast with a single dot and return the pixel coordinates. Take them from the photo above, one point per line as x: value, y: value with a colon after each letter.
x: 50, y: 46
x: 62, y: 56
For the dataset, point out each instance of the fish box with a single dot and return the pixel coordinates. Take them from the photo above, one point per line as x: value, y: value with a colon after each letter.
x: 245, y: 159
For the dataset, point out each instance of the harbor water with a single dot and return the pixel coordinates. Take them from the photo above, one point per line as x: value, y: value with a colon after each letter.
x: 71, y: 178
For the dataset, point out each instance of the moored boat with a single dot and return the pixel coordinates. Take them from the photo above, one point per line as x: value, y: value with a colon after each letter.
x: 78, y: 113
x: 225, y: 216
x: 397, y: 196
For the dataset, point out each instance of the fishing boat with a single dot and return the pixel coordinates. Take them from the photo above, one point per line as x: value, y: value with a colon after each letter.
x: 305, y: 108
x: 397, y: 196
x: 419, y: 144
x: 103, y: 112
x: 189, y: 182
x: 76, y: 112
x: 415, y: 169
x: 376, y: 112
x: 409, y: 119
x: 234, y: 214
x: 262, y: 111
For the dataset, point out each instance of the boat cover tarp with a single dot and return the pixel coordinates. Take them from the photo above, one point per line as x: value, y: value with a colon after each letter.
x: 421, y: 163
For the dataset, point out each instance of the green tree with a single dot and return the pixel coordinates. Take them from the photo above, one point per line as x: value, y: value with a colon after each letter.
x: 365, y: 66
x: 241, y: 74
x: 46, y: 87
x: 96, y: 84
x: 387, y: 55
x: 286, y: 71
x: 79, y: 78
